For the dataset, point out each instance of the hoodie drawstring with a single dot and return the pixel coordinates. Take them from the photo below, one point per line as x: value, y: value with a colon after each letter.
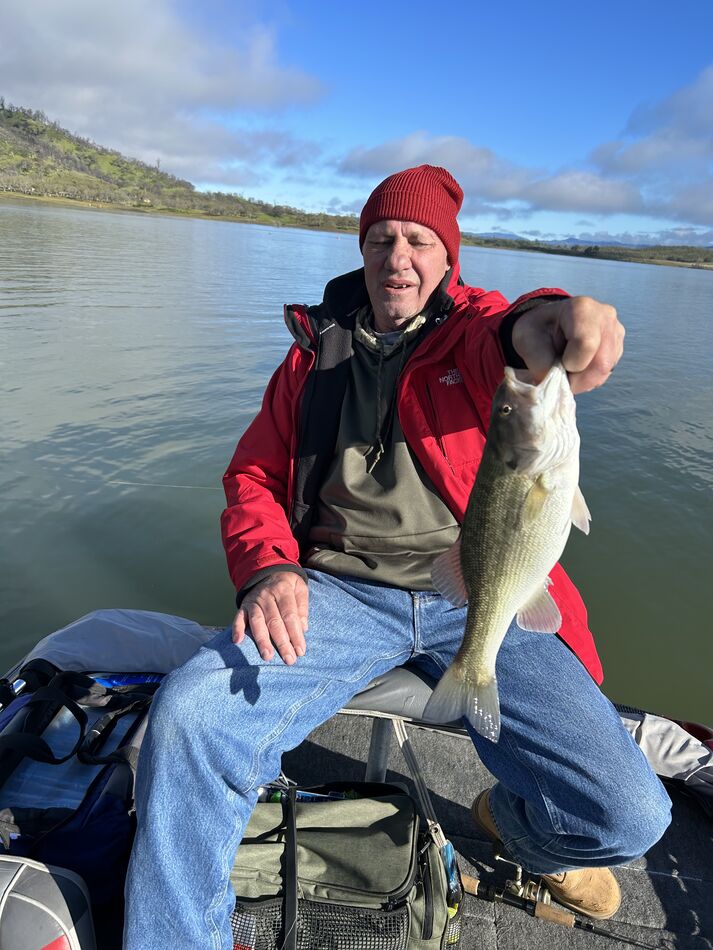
x: 383, y: 421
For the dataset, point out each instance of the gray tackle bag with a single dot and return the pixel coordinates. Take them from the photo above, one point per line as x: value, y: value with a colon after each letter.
x: 345, y: 867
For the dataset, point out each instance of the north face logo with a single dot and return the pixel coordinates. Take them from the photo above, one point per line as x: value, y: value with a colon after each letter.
x: 451, y: 378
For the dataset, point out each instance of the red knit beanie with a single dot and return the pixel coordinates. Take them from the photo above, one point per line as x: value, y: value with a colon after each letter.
x: 427, y: 195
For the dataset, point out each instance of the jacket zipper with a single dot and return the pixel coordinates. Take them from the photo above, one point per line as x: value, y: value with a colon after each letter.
x: 436, y: 427
x: 294, y: 441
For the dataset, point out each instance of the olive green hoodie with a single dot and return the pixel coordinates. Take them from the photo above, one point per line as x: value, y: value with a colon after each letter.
x: 378, y: 516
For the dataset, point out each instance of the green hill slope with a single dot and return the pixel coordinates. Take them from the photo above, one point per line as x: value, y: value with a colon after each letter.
x: 39, y: 158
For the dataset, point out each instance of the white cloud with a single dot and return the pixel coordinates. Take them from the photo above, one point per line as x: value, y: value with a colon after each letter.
x: 493, y: 185
x: 134, y: 76
x: 480, y: 171
x: 666, y: 152
x: 688, y: 110
x: 667, y: 237
x: 582, y: 191
x: 337, y: 206
x: 661, y: 167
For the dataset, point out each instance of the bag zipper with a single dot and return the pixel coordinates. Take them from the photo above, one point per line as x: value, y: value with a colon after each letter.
x: 427, y: 929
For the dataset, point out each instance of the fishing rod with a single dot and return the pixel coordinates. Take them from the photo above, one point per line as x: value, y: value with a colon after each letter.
x: 534, y: 898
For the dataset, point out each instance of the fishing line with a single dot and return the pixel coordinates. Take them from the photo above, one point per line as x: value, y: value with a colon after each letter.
x: 543, y: 911
x: 116, y: 481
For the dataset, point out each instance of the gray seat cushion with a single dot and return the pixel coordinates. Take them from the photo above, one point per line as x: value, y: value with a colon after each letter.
x: 402, y: 692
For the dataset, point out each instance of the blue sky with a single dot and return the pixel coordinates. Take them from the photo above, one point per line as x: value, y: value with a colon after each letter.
x: 557, y: 118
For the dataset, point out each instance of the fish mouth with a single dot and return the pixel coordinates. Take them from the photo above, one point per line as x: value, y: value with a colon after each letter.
x: 547, y: 392
x: 543, y: 430
x: 522, y: 380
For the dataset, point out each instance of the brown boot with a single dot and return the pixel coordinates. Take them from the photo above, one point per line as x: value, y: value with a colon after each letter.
x: 480, y: 810
x: 593, y: 892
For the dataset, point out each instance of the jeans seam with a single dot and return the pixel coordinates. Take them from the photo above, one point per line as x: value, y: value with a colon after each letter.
x: 302, y: 704
x: 365, y: 670
x: 415, y: 612
x: 226, y: 864
x: 280, y: 729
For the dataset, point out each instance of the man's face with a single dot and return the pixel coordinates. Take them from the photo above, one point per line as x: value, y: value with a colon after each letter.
x: 404, y: 262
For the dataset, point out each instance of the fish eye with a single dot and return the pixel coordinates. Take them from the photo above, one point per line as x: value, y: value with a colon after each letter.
x: 505, y: 409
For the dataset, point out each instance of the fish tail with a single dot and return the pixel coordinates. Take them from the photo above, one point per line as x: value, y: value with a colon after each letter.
x: 457, y: 697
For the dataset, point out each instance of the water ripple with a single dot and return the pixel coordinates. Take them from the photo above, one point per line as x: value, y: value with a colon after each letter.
x: 134, y: 351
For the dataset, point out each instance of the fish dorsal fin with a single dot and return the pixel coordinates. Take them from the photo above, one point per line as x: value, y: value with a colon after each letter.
x: 541, y: 614
x: 447, y: 576
x: 580, y: 513
x: 535, y: 500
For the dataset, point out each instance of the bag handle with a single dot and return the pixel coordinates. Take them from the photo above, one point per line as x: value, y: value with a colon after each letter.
x: 100, y: 732
x: 289, y: 921
x: 23, y: 735
x: 32, y: 745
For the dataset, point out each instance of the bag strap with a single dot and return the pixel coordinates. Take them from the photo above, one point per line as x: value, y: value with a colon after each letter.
x: 32, y: 745
x: 34, y: 674
x: 86, y: 690
x: 66, y: 690
x: 100, y: 732
x: 289, y: 917
x: 434, y: 827
x: 37, y: 672
x: 7, y: 692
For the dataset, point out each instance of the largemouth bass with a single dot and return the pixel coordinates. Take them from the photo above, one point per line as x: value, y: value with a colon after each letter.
x: 523, y: 503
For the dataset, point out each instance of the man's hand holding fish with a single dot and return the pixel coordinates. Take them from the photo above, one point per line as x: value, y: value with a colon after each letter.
x: 583, y: 333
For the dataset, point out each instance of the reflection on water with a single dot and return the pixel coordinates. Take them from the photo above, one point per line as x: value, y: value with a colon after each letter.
x: 134, y: 350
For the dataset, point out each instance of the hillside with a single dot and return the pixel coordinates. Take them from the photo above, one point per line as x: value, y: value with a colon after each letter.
x: 40, y: 159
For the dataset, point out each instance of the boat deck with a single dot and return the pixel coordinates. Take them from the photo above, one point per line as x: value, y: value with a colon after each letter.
x: 667, y: 894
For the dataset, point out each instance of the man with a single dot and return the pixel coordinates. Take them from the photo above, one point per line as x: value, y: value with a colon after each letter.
x: 353, y: 477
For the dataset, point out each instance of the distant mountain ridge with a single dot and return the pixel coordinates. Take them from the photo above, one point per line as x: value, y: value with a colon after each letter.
x: 680, y: 255
x: 40, y: 159
x: 572, y: 241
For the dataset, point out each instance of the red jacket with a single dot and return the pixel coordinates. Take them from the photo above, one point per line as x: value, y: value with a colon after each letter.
x: 443, y: 400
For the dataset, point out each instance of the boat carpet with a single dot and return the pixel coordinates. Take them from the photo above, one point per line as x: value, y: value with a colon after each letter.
x: 666, y: 895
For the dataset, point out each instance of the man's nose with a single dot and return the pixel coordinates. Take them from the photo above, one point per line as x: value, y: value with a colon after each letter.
x: 399, y: 257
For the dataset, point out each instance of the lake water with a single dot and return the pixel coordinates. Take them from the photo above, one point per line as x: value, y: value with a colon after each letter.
x: 134, y: 351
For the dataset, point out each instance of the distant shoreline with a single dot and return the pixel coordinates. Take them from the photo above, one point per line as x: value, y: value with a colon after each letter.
x: 466, y: 239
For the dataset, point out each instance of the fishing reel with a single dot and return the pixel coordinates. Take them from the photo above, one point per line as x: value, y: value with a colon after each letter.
x: 533, y: 897
x: 527, y: 888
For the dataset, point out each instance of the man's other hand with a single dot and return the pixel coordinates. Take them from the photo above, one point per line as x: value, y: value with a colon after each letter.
x: 583, y: 332
x: 275, y: 612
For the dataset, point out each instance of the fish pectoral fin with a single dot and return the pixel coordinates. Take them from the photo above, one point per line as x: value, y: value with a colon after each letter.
x: 457, y: 697
x: 580, y: 512
x: 541, y: 614
x: 447, y: 576
x: 535, y: 501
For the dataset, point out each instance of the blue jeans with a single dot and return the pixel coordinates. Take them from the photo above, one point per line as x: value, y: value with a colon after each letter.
x: 573, y: 788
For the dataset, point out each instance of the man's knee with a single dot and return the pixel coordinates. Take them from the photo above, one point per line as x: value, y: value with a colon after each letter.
x: 636, y: 818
